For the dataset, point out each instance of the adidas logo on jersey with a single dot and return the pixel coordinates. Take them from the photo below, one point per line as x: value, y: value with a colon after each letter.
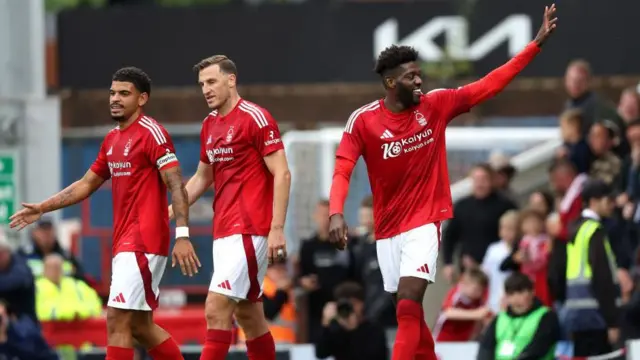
x: 225, y: 285
x: 119, y: 299
x: 110, y: 151
x: 386, y: 135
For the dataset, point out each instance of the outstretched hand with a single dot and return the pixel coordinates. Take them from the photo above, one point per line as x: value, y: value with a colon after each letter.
x: 548, y: 24
x: 28, y: 215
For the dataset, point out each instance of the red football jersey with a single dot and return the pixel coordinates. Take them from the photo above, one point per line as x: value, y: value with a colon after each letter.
x: 132, y: 158
x: 235, y: 145
x: 457, y: 330
x: 406, y: 159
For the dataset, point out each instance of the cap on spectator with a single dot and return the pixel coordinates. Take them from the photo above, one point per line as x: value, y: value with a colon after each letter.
x: 596, y: 189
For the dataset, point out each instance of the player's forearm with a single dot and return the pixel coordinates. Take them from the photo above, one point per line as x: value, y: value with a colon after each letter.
x: 71, y: 195
x: 281, y: 188
x: 196, y: 186
x: 498, y: 79
x: 179, y: 197
x: 340, y: 185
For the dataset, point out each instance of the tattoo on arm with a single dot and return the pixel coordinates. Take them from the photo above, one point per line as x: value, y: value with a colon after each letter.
x: 73, y: 193
x: 179, y: 198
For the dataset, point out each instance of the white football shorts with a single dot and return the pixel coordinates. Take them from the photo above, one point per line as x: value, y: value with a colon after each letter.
x: 239, y: 266
x: 135, y: 278
x: 413, y: 253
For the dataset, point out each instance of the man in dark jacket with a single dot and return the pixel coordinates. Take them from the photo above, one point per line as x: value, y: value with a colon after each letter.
x: 475, y: 222
x: 16, y: 281
x: 21, y: 338
x: 525, y: 331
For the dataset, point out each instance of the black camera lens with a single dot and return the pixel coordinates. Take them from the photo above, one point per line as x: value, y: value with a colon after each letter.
x: 344, y: 307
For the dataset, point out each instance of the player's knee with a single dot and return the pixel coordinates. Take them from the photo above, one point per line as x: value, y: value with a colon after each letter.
x: 118, y: 320
x: 250, y: 317
x: 218, y: 311
x: 142, y: 328
x: 411, y: 288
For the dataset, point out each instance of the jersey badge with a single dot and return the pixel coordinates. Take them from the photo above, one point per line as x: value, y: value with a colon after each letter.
x: 420, y: 118
x: 127, y: 148
x: 229, y: 134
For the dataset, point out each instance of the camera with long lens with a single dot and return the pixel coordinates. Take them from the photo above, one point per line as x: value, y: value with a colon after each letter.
x: 344, y: 308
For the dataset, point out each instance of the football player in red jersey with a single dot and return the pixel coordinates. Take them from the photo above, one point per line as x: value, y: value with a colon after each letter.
x: 242, y: 154
x: 402, y: 140
x: 139, y: 158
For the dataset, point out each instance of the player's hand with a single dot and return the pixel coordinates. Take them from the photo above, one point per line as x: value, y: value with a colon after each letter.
x: 329, y: 313
x: 548, y: 24
x: 338, y: 231
x: 277, y: 250
x: 184, y: 254
x: 171, y: 215
x: 28, y: 215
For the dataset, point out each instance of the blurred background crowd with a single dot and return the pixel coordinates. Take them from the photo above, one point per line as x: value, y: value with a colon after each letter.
x: 53, y: 281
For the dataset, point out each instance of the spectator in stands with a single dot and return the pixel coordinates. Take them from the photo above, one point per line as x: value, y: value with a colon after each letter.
x: 567, y: 183
x: 575, y: 147
x: 21, y: 338
x: 526, y: 330
x: 378, y: 304
x: 629, y: 111
x: 16, y: 281
x: 322, y: 268
x: 475, y: 223
x: 464, y: 308
x: 577, y: 82
x: 279, y: 306
x: 628, y: 186
x: 43, y: 243
x: 496, y: 253
x: 503, y: 174
x: 532, y: 256
x: 63, y: 298
x: 542, y: 202
x: 346, y: 333
x: 605, y: 165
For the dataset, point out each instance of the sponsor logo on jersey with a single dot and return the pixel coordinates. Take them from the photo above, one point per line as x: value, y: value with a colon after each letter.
x: 271, y: 140
x: 396, y: 148
x: 127, y: 147
x: 229, y: 134
x: 119, y: 168
x: 167, y: 158
x: 214, y: 154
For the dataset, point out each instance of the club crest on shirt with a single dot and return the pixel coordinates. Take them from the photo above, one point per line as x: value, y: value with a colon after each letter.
x: 127, y: 147
x: 229, y: 134
x: 420, y: 118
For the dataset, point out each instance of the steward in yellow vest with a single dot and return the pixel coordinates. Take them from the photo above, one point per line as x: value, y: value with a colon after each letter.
x: 592, y: 314
x: 64, y: 298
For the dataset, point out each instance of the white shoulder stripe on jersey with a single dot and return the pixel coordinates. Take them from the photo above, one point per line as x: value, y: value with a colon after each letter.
x: 352, y: 119
x: 154, y: 129
x: 255, y: 113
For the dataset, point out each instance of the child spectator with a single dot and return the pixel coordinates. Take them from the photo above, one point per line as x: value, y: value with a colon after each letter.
x: 575, y: 147
x: 533, y: 252
x: 463, y: 308
x: 495, y: 255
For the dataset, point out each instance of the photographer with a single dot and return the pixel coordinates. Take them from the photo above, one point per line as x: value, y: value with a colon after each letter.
x: 20, y: 338
x: 346, y: 335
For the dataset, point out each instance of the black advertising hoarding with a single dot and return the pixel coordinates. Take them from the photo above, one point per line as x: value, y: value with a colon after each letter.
x: 313, y: 43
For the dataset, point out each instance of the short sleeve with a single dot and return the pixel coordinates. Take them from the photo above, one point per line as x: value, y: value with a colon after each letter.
x: 450, y: 102
x: 159, y: 147
x: 351, y: 144
x: 203, y: 138
x: 101, y: 165
x: 266, y: 134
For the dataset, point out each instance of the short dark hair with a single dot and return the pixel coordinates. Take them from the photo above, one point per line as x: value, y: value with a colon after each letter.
x: 478, y: 276
x: 226, y: 65
x: 367, y: 202
x: 323, y: 202
x: 562, y: 163
x: 517, y: 282
x: 595, y: 189
x: 140, y: 80
x: 609, y: 126
x: 349, y: 290
x: 394, y: 56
